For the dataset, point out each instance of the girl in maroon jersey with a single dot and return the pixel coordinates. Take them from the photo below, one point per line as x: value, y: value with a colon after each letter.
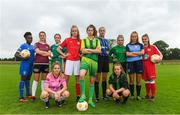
x: 41, y: 63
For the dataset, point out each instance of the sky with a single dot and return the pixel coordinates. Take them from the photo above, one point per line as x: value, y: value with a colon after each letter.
x: 160, y: 19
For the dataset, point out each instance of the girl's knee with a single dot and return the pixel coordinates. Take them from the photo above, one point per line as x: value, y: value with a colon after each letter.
x: 126, y: 93
x: 66, y: 94
x: 44, y: 95
x: 108, y: 92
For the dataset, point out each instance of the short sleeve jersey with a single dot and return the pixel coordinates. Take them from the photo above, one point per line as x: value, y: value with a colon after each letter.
x: 54, y: 83
x: 118, y: 52
x: 31, y: 50
x: 72, y: 47
x: 149, y: 51
x: 118, y: 82
x: 91, y: 44
x: 137, y: 47
x: 39, y: 59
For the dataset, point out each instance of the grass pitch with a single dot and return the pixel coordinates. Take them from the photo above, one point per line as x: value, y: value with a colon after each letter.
x: 167, y: 96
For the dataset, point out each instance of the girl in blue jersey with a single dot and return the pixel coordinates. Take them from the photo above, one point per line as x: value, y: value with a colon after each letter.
x: 134, y: 52
x: 26, y: 66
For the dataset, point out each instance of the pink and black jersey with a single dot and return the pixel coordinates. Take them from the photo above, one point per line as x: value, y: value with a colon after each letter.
x: 55, y: 83
x: 39, y: 59
x: 73, y: 48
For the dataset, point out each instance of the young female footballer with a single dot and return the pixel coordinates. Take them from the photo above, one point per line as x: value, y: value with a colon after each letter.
x: 119, y: 52
x: 149, y: 70
x: 55, y: 55
x: 134, y: 52
x: 90, y: 48
x: 55, y: 86
x: 26, y: 66
x: 41, y: 63
x: 73, y: 45
x: 118, y: 84
x: 103, y: 65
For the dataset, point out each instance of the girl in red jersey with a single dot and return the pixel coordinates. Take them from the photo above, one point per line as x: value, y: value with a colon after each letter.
x: 41, y: 63
x: 72, y: 67
x: 149, y: 73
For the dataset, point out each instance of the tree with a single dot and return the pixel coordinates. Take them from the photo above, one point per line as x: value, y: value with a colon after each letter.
x: 174, y: 53
x: 163, y: 47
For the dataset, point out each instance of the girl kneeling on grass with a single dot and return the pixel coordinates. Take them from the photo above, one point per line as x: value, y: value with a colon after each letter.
x: 118, y: 84
x: 55, y: 87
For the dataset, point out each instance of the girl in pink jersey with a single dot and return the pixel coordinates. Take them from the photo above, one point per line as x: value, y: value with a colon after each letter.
x: 149, y: 70
x: 55, y: 86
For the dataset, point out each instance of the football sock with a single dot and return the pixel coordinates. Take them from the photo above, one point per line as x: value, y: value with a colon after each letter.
x: 132, y: 89
x: 97, y: 89
x: 148, y: 88
x: 27, y: 84
x: 42, y: 85
x: 104, y: 85
x: 21, y: 88
x: 125, y: 99
x: 82, y: 87
x: 77, y: 89
x: 153, y: 89
x: 138, y: 90
x: 91, y: 91
x: 34, y: 87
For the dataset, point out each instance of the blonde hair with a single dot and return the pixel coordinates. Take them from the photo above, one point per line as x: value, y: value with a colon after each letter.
x: 74, y: 26
x: 118, y: 64
x: 134, y: 32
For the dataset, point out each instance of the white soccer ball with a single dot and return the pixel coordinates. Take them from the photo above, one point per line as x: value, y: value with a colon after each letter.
x: 155, y: 58
x: 82, y: 106
x: 25, y: 53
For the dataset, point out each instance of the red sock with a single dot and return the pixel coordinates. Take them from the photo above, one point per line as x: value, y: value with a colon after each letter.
x: 77, y: 89
x: 148, y: 88
x: 153, y: 89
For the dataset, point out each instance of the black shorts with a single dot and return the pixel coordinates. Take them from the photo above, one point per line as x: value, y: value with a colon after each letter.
x: 103, y: 64
x: 41, y: 68
x: 135, y: 67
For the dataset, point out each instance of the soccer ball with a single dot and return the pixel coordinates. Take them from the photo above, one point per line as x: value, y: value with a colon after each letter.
x: 25, y: 53
x: 155, y: 58
x: 82, y: 106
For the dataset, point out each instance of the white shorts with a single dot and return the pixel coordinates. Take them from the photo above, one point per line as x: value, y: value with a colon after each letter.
x: 72, y: 67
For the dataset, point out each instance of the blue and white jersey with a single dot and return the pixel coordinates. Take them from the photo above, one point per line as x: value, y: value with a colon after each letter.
x: 104, y: 46
x: 137, y: 47
x: 26, y: 66
x: 31, y: 50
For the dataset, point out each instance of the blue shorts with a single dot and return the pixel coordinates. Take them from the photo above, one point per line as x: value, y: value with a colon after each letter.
x: 26, y: 69
x: 135, y: 67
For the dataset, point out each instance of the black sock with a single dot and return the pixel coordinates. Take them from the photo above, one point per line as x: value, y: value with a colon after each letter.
x: 132, y: 89
x: 125, y: 99
x: 138, y: 90
x: 104, y: 85
x: 97, y: 89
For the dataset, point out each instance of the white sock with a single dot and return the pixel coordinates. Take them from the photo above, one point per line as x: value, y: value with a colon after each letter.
x: 34, y: 87
x: 42, y: 85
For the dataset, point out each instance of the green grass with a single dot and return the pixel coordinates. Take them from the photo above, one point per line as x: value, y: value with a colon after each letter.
x: 167, y: 96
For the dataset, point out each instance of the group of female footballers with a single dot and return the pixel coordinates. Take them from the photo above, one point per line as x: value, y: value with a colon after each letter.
x: 75, y: 56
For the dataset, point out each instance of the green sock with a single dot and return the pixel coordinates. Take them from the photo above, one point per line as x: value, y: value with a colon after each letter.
x: 82, y: 87
x: 91, y: 91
